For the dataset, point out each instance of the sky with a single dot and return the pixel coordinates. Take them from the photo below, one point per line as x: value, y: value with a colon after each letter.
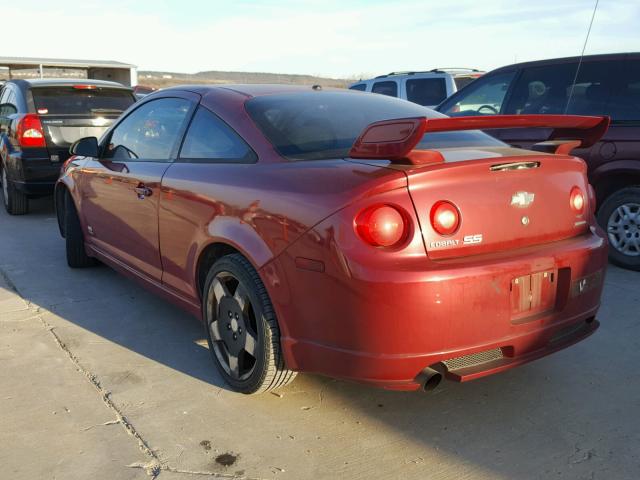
x: 340, y: 39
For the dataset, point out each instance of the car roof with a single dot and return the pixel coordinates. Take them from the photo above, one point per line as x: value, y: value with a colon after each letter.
x: 551, y: 61
x: 253, y: 90
x: 61, y: 82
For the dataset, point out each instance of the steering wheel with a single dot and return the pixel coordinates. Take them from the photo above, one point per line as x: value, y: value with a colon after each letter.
x: 493, y: 110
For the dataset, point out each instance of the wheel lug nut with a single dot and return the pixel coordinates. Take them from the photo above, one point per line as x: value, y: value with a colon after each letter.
x: 228, y: 326
x: 235, y: 337
x: 240, y: 330
x: 237, y: 316
x: 230, y: 314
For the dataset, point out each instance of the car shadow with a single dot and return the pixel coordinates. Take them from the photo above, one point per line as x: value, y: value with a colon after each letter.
x: 559, y: 416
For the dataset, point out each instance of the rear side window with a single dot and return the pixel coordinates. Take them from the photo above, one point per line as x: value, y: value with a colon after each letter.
x: 426, y: 91
x: 550, y: 89
x: 209, y: 139
x: 385, y: 88
x: 8, y: 102
x: 324, y: 125
x: 483, y: 97
x: 360, y: 87
x: 75, y: 101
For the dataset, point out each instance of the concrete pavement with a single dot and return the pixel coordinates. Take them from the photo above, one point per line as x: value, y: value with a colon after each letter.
x: 100, y: 379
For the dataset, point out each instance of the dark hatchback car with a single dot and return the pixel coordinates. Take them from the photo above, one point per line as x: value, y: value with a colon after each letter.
x: 39, y: 120
x: 599, y: 85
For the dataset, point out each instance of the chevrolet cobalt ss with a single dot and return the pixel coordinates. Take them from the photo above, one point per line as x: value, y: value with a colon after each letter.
x: 352, y: 235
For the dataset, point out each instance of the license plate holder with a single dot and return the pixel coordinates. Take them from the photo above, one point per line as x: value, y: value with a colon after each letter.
x: 533, y: 294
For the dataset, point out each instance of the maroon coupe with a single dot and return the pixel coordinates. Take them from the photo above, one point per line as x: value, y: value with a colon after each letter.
x: 349, y: 234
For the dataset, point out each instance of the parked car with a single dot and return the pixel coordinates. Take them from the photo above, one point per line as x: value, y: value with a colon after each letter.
x: 603, y: 85
x: 309, y: 236
x: 39, y: 120
x: 424, y: 88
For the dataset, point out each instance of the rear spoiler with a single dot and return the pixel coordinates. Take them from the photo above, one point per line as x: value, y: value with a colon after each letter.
x: 395, y: 140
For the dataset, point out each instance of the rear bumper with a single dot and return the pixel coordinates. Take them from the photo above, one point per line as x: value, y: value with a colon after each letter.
x: 32, y: 173
x: 400, y: 372
x: 385, y: 331
x: 35, y: 188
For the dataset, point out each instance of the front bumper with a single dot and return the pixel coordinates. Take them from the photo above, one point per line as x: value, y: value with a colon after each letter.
x: 384, y: 328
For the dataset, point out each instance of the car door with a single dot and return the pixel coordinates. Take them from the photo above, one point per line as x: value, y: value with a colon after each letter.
x: 195, y: 196
x: 484, y: 96
x: 120, y: 191
x: 621, y: 143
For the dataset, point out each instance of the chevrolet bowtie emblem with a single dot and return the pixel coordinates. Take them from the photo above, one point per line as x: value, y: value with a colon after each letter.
x: 522, y: 199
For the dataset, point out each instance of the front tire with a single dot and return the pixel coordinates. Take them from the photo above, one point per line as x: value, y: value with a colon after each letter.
x: 242, y: 329
x: 619, y: 216
x: 76, y: 255
x: 15, y: 202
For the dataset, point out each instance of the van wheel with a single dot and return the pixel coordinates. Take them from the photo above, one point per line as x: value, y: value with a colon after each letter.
x: 15, y: 202
x: 619, y: 216
x: 242, y: 329
x: 76, y: 255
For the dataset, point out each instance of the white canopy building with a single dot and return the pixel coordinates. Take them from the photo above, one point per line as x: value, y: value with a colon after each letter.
x: 123, y: 73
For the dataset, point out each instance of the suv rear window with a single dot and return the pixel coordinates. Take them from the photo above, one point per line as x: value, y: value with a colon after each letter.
x: 324, y: 125
x: 426, y: 91
x: 75, y: 101
x: 360, y: 87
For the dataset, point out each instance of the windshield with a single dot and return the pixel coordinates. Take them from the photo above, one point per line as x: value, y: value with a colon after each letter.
x: 74, y: 101
x: 324, y: 125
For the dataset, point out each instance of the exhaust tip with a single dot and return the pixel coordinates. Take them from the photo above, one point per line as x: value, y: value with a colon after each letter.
x: 429, y: 379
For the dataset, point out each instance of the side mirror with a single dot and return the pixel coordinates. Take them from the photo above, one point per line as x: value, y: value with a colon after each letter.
x: 85, y: 147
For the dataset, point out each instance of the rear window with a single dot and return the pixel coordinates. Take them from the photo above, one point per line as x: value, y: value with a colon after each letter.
x: 73, y: 101
x: 426, y: 91
x: 324, y: 125
x: 360, y: 87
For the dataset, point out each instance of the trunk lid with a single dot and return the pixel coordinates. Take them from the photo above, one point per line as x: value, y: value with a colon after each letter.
x: 71, y: 112
x: 507, y: 199
x: 61, y: 131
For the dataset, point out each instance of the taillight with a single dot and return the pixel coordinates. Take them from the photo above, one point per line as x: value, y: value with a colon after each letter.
x: 29, y: 131
x: 381, y: 226
x: 577, y: 200
x: 445, y: 218
x: 85, y: 87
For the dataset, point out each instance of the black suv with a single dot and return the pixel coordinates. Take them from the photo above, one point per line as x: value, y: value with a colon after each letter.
x: 597, y: 85
x: 39, y: 120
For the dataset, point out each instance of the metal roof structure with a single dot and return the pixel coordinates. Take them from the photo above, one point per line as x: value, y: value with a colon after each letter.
x: 13, y: 62
x: 124, y: 73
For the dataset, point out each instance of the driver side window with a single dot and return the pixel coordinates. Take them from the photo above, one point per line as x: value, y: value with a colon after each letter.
x: 482, y: 97
x: 150, y: 133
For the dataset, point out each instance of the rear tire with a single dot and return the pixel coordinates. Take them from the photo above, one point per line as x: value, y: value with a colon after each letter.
x: 15, y: 202
x: 76, y: 255
x: 619, y: 216
x: 242, y: 329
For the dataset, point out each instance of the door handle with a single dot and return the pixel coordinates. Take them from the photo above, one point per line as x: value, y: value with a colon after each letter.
x: 143, y: 191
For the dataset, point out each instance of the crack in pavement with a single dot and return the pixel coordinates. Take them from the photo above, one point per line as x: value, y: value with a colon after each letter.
x: 155, y: 466
x: 167, y: 468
